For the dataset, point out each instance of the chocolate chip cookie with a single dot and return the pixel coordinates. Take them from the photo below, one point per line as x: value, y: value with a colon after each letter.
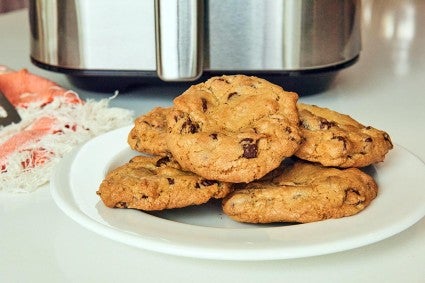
x: 148, y: 133
x: 233, y: 128
x: 335, y: 139
x: 157, y: 183
x: 304, y: 192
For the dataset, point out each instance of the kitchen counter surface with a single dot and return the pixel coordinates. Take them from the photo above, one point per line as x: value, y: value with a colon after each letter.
x: 385, y: 88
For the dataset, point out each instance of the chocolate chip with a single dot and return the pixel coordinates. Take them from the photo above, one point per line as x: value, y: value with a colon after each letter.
x: 288, y: 130
x: 207, y: 183
x: 204, y: 104
x: 369, y: 139
x: 213, y: 136
x: 304, y: 124
x: 170, y: 181
x: 223, y: 80
x: 190, y: 127
x: 231, y: 95
x: 147, y: 123
x: 250, y: 149
x: 193, y: 128
x: 247, y: 140
x: 162, y: 161
x: 197, y: 186
x: 325, y: 124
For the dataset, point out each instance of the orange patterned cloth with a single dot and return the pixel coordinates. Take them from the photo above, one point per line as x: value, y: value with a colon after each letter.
x: 54, y: 120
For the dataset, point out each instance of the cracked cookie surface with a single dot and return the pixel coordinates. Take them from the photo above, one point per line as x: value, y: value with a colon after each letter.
x: 148, y: 132
x: 335, y: 139
x: 157, y: 183
x: 304, y: 192
x: 233, y: 128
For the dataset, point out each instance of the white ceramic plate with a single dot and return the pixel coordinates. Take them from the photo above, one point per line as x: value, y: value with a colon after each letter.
x: 205, y: 232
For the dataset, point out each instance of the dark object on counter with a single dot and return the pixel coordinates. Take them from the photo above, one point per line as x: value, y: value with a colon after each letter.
x: 12, y: 116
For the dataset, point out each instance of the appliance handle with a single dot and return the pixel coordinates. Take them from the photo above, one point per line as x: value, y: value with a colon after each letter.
x: 179, y: 38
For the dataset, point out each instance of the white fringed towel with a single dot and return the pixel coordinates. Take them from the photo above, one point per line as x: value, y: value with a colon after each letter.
x: 30, y: 164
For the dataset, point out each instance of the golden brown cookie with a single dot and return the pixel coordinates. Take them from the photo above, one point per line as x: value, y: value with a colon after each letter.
x: 304, y: 192
x: 148, y: 133
x: 157, y: 183
x: 335, y: 139
x: 233, y: 128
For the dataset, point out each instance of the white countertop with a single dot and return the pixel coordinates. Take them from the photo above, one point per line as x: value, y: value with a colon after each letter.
x: 39, y: 243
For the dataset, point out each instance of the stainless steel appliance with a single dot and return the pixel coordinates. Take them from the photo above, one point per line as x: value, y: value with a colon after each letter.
x: 304, y: 42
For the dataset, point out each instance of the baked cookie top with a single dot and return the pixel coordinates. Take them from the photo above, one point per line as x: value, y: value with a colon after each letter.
x: 148, y: 133
x: 157, y: 183
x: 304, y: 192
x: 335, y: 139
x: 233, y: 128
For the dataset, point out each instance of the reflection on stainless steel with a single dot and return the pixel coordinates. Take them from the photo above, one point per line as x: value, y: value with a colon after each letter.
x: 276, y: 35
x: 95, y: 34
x: 179, y: 32
x: 238, y: 35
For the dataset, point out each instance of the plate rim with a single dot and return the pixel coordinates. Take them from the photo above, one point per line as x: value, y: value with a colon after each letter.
x: 66, y: 201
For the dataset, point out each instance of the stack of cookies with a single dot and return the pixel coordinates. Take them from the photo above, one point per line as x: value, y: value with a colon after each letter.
x: 247, y: 141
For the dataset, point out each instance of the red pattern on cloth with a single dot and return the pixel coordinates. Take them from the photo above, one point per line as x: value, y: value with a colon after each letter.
x: 54, y: 121
x: 22, y: 89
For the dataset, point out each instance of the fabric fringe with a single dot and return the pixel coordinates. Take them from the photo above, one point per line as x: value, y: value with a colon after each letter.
x: 77, y: 123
